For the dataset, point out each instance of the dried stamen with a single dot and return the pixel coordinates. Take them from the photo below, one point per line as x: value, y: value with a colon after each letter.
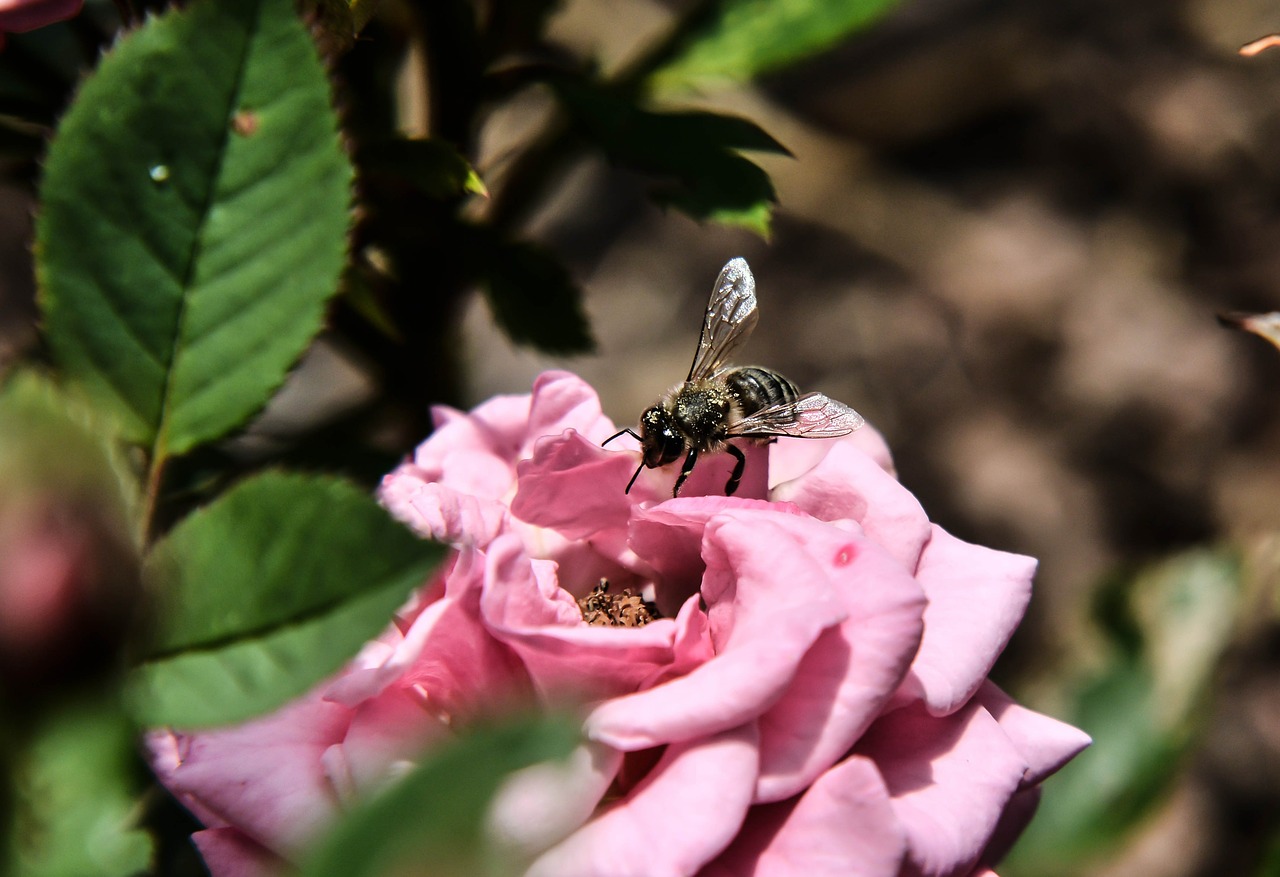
x: 616, y: 610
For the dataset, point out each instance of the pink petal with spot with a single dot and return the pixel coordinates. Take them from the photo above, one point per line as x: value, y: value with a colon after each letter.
x: 849, y: 484
x: 768, y: 600
x: 848, y: 675
x: 843, y: 825
x: 682, y: 814
x: 977, y: 597
x: 949, y: 779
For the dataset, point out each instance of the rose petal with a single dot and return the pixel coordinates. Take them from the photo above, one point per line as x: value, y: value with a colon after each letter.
x: 521, y: 592
x: 165, y: 751
x: 574, y: 486
x: 497, y: 427
x: 668, y: 538
x: 977, y: 597
x: 563, y: 655
x: 449, y: 656
x: 582, y: 564
x: 437, y: 512
x: 230, y: 853
x: 949, y: 778
x: 389, y: 729
x: 848, y: 675
x: 769, y: 599
x: 843, y: 825
x: 265, y: 777
x: 562, y: 400
x: 446, y: 652
x: 1016, y: 817
x: 711, y: 475
x: 849, y: 484
x: 541, y: 805
x: 871, y: 442
x: 1046, y: 744
x: 683, y: 813
x: 790, y: 458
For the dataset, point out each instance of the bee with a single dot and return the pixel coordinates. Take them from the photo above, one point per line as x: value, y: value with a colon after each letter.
x: 718, y: 402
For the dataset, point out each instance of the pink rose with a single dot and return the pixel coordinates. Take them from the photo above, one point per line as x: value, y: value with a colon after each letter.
x: 20, y: 16
x: 808, y: 695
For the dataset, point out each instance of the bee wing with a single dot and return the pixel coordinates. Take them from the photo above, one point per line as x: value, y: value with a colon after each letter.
x: 811, y: 416
x: 731, y: 315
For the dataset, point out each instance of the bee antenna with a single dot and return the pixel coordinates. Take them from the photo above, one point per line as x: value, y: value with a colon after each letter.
x: 628, y: 431
x: 633, y: 478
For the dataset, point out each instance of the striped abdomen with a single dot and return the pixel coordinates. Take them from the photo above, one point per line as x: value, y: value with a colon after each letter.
x: 755, y: 388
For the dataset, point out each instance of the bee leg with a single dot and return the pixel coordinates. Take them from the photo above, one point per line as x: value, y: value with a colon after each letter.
x: 685, y: 470
x: 731, y: 487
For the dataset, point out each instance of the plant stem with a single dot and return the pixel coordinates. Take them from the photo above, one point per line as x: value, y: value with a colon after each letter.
x: 151, y: 497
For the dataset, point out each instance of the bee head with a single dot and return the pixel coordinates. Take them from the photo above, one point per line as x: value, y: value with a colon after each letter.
x: 659, y: 438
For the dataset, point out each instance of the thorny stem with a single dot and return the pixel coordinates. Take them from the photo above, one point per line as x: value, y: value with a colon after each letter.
x: 453, y: 69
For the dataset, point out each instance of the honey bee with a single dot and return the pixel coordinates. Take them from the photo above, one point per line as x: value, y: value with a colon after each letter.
x: 718, y: 402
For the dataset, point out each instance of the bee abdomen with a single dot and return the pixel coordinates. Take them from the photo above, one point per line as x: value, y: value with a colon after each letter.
x: 756, y: 388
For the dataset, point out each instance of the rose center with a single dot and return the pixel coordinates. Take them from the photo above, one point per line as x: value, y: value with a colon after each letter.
x: 626, y: 609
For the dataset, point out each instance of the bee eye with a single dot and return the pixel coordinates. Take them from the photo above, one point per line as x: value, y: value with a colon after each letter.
x: 672, y: 445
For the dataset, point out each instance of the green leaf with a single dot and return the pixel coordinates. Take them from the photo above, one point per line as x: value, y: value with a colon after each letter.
x: 532, y: 296
x: 76, y: 786
x: 692, y: 156
x: 265, y: 592
x: 436, y: 814
x: 741, y: 39
x: 196, y: 205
